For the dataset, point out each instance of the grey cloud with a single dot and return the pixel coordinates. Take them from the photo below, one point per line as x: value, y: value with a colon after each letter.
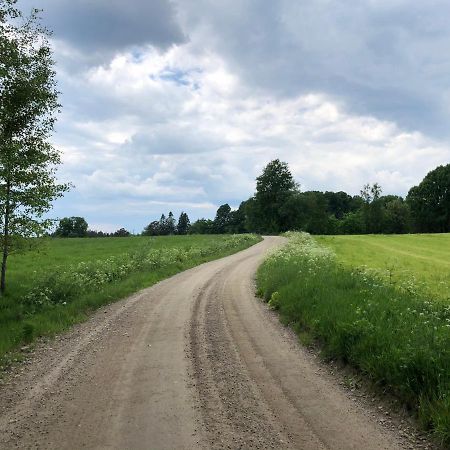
x: 387, y: 59
x: 172, y: 139
x: 101, y: 28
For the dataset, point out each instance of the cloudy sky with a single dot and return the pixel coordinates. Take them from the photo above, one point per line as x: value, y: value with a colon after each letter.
x: 178, y: 105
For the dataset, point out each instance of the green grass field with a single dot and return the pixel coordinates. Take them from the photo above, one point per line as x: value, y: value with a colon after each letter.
x: 395, y: 331
x: 63, y: 280
x: 421, y: 258
x: 25, y: 268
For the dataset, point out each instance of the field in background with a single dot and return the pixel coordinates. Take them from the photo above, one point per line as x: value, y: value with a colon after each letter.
x: 393, y: 331
x: 420, y: 259
x: 59, y: 283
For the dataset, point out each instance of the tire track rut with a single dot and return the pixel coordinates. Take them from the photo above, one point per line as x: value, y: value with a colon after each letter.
x: 234, y: 413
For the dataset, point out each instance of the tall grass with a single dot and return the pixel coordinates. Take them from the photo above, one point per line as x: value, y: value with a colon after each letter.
x: 395, y: 336
x: 57, y: 298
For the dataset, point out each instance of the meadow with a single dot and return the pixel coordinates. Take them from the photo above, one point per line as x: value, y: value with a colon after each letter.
x: 396, y: 333
x: 420, y: 259
x: 61, y: 281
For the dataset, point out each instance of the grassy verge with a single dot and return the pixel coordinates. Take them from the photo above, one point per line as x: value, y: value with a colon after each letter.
x: 63, y: 295
x: 394, y: 335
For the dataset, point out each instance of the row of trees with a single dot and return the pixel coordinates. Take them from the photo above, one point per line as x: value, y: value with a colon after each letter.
x: 77, y: 227
x: 226, y: 221
x: 168, y: 225
x: 278, y: 205
x: 72, y: 227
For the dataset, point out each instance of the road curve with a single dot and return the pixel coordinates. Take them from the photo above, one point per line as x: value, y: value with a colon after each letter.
x: 192, y: 362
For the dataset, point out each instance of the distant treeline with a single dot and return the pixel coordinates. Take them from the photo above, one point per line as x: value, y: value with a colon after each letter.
x: 71, y: 227
x: 278, y: 205
x: 167, y: 225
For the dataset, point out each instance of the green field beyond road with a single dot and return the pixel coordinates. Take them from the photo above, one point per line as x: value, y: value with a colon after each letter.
x: 422, y: 259
x: 23, y: 269
x: 63, y: 280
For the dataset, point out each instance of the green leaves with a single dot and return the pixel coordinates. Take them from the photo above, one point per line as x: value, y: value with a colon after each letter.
x: 430, y: 201
x: 28, y: 105
x: 273, y: 188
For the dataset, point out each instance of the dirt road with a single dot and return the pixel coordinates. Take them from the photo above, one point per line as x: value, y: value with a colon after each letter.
x: 193, y: 362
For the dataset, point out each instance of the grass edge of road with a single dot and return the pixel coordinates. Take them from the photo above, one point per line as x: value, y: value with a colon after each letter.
x: 397, y: 339
x: 52, y: 319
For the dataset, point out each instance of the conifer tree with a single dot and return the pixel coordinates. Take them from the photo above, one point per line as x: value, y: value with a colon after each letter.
x: 183, y: 224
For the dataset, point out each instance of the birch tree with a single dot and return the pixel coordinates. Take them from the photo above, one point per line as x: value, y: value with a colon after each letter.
x: 28, y: 108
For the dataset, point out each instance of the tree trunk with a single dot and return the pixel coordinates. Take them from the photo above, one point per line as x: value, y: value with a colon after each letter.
x: 5, y: 238
x: 3, y: 276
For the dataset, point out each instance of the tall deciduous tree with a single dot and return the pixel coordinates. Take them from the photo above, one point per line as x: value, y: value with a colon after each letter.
x: 397, y: 217
x: 152, y: 229
x: 273, y: 188
x: 223, y: 219
x: 238, y: 220
x: 430, y: 201
x: 373, y: 211
x: 202, y: 226
x: 72, y: 227
x: 338, y: 203
x: 28, y: 104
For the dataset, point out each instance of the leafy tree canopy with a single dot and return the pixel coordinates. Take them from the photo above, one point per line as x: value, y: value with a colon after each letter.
x: 273, y: 188
x: 223, y: 218
x: 430, y: 201
x: 72, y: 227
x: 152, y: 229
x: 121, y: 232
x: 28, y: 105
x: 202, y: 226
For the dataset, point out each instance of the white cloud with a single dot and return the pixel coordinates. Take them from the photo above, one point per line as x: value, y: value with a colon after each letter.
x: 190, y: 126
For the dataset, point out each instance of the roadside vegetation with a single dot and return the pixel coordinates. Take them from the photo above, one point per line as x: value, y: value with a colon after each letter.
x: 395, y: 334
x: 62, y: 281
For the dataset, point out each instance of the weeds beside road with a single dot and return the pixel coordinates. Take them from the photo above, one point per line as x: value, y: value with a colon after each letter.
x: 54, y: 298
x: 395, y: 335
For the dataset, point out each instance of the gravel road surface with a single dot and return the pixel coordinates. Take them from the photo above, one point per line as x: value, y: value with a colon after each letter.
x: 195, y: 361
